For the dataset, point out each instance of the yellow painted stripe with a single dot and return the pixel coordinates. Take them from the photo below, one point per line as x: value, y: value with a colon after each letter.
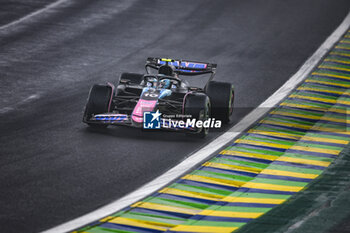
x: 297, y: 105
x: 230, y: 214
x: 337, y: 110
x: 300, y: 137
x: 272, y: 187
x: 283, y: 113
x: 304, y: 161
x: 342, y: 47
x: 212, y: 197
x: 232, y: 167
x: 248, y: 154
x: 277, y: 134
x: 253, y: 200
x: 339, y: 101
x: 327, y: 83
x: 328, y: 118
x: 257, y: 143
x: 154, y: 206
x: 325, y: 118
x: 323, y: 90
x: 149, y: 223
x: 337, y: 60
x: 313, y: 98
x: 345, y: 41
x: 203, y: 229
x: 136, y: 223
x: 222, y: 198
x: 294, y: 125
x: 287, y: 173
x: 331, y: 75
x: 340, y: 110
x: 213, y: 180
x: 319, y: 139
x: 340, y: 54
x: 108, y: 218
x: 294, y: 147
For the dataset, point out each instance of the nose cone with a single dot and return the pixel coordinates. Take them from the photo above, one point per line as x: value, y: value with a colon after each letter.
x: 141, y: 107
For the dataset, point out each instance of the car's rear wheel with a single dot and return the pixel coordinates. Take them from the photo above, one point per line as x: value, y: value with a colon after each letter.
x: 198, y: 106
x: 221, y: 96
x: 99, y: 101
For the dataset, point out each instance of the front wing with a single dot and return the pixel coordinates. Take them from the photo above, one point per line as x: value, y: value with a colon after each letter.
x: 125, y: 120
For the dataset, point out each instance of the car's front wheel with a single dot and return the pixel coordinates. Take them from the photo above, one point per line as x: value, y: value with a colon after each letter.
x: 99, y: 101
x: 221, y: 96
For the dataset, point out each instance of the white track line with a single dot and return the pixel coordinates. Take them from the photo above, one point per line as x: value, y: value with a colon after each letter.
x: 205, y: 152
x: 48, y: 7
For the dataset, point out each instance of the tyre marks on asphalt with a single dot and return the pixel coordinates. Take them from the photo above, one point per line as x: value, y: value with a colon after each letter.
x: 276, y: 158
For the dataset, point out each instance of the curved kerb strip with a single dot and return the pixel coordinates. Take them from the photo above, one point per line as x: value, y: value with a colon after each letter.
x: 277, y: 157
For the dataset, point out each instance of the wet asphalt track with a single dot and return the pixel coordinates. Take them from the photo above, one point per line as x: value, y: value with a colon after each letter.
x: 52, y: 167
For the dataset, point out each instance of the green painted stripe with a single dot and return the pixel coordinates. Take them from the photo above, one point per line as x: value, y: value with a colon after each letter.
x: 258, y: 151
x: 170, y: 202
x: 333, y: 72
x: 279, y: 141
x: 291, y: 121
x: 298, y: 111
x: 239, y: 209
x: 298, y: 103
x: 331, y: 64
x: 299, y: 93
x: 222, y: 175
x: 327, y: 136
x: 343, y: 46
x: 340, y: 53
x: 345, y: 51
x: 294, y: 169
x: 308, y: 103
x: 99, y: 229
x: 338, y: 128
x: 279, y: 182
x: 213, y: 223
x: 318, y: 146
x: 338, y: 58
x: 310, y: 115
x: 267, y: 128
x: 153, y: 215
x: 344, y: 41
x: 239, y: 163
x: 291, y: 143
x: 333, y: 81
x: 198, y: 189
x: 259, y: 195
x: 324, y: 88
x: 310, y: 157
x: 152, y: 219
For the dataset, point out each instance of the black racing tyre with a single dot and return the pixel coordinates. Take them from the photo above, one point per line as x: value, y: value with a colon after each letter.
x: 132, y: 77
x: 198, y: 106
x: 221, y: 96
x: 99, y: 101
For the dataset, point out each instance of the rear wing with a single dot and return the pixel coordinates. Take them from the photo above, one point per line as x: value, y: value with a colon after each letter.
x: 182, y: 67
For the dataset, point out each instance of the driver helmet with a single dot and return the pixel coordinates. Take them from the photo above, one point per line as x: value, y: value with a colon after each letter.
x: 164, y: 83
x: 168, y: 70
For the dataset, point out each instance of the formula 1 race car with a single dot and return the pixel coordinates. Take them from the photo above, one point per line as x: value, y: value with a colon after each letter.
x: 162, y: 98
